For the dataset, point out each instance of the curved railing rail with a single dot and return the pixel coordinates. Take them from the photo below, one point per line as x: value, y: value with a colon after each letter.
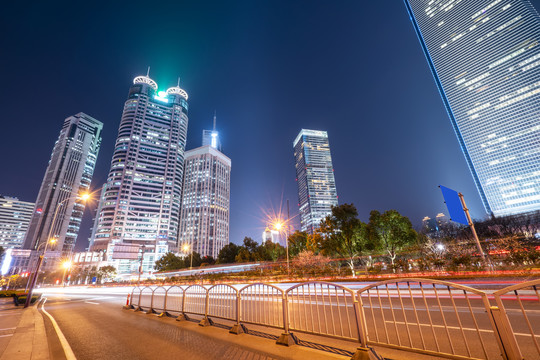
x: 419, y: 315
x: 262, y: 304
x: 323, y: 308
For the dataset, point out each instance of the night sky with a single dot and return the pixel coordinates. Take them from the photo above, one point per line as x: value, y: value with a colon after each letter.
x: 269, y: 68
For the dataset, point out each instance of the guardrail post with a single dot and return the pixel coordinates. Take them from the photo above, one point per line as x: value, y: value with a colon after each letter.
x: 151, y: 310
x: 236, y: 328
x: 362, y: 352
x: 286, y: 338
x: 205, y: 321
x: 138, y: 308
x: 164, y: 312
x: 182, y: 315
x: 507, y: 341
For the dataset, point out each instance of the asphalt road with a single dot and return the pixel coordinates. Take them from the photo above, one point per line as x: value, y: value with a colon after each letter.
x: 96, y: 327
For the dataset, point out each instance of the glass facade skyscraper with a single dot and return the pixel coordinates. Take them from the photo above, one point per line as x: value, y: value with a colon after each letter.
x: 140, y: 203
x: 315, y: 178
x: 485, y: 57
x: 68, y: 175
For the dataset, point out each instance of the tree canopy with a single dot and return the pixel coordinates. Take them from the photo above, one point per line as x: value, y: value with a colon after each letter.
x: 391, y: 231
x: 343, y: 234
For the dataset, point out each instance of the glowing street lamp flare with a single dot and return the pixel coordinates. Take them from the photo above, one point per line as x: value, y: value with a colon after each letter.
x: 278, y: 225
x: 85, y: 197
x: 66, y: 264
x: 185, y: 248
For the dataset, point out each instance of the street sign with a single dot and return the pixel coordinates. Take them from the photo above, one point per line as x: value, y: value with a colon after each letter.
x: 454, y: 205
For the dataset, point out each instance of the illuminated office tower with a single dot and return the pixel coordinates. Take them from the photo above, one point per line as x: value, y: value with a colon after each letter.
x: 315, y: 178
x: 140, y: 203
x: 485, y: 58
x: 211, y: 137
x: 68, y: 175
x: 15, y: 217
x: 204, y: 222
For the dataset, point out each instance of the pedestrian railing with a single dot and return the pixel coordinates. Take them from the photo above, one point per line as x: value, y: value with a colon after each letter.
x: 418, y: 315
x: 262, y: 304
x: 519, y: 319
x: 323, y: 309
x: 429, y: 316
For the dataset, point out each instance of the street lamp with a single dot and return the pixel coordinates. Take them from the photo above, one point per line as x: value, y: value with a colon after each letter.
x: 186, y: 248
x: 66, y: 265
x: 83, y: 197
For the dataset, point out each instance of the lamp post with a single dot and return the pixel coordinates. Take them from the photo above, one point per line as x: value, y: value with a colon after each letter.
x: 83, y: 197
x: 141, y: 265
x: 279, y: 226
x: 186, y: 248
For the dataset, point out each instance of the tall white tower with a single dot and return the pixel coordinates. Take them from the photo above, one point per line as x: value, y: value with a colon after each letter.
x: 204, y: 222
x: 140, y: 204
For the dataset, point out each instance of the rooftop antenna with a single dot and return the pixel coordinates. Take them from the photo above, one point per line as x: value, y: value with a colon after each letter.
x: 148, y: 72
x: 178, y: 83
x: 214, y: 121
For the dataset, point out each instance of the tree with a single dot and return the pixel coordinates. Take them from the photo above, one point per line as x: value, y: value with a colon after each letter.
x: 248, y: 251
x: 227, y: 254
x: 270, y: 251
x: 106, y: 272
x: 297, y: 242
x: 207, y: 260
x: 169, y: 261
x: 392, y: 231
x: 343, y: 234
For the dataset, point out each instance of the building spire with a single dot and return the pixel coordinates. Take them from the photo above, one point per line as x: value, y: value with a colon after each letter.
x: 178, y: 82
x: 214, y: 128
x: 148, y: 72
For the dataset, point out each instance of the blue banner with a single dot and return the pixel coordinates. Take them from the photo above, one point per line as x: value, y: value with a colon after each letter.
x: 453, y: 203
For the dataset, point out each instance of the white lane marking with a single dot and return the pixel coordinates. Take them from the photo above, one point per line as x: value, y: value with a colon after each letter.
x: 65, y: 345
x: 6, y: 335
x: 90, y: 302
x: 8, y: 328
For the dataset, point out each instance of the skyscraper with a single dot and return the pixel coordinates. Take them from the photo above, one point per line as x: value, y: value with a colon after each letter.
x: 140, y: 203
x: 15, y: 217
x: 484, y: 55
x: 68, y: 175
x: 211, y: 137
x: 315, y: 178
x: 204, y: 222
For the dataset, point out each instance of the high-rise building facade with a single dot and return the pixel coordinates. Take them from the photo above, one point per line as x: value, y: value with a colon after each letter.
x: 204, y: 222
x: 315, y: 178
x: 140, y: 203
x: 15, y: 217
x: 484, y: 55
x: 68, y: 175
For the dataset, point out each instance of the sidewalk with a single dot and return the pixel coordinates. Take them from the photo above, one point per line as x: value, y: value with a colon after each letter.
x: 25, y: 330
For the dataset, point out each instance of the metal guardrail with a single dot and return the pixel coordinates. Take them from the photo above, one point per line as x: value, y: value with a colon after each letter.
x: 510, y: 301
x: 418, y: 315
